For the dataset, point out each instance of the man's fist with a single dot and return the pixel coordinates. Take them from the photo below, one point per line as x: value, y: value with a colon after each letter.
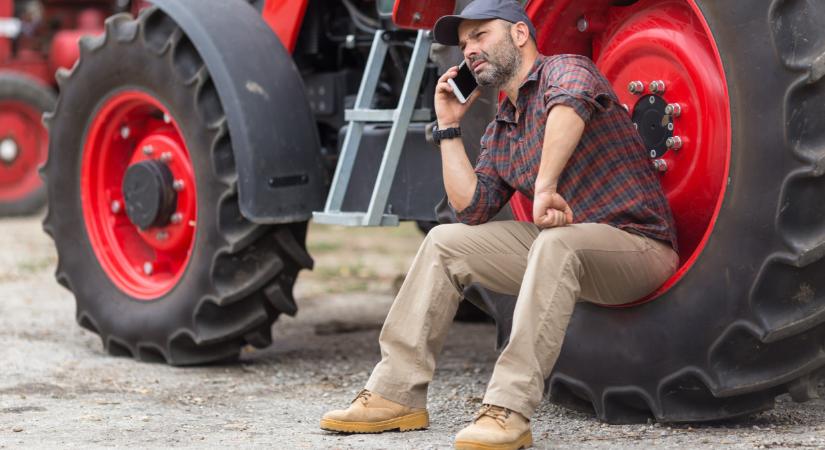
x: 551, y: 210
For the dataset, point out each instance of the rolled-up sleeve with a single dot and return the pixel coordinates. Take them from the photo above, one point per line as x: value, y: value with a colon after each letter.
x: 578, y: 87
x: 491, y: 193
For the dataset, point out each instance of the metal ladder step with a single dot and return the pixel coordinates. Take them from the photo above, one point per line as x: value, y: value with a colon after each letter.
x: 361, y: 114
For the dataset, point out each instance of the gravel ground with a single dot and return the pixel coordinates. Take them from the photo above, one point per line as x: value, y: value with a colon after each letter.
x: 59, y: 389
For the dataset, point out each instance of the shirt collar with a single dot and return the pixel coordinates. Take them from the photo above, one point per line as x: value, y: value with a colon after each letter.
x: 506, y: 110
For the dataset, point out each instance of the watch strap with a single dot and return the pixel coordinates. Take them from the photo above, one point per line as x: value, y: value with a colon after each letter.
x: 447, y: 133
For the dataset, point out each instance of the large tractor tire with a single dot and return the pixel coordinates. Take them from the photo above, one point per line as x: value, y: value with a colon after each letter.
x: 23, y: 143
x: 743, y: 320
x: 145, y: 209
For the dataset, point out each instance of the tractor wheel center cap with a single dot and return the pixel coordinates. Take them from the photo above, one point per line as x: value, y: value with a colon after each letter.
x: 655, y: 126
x: 149, y: 194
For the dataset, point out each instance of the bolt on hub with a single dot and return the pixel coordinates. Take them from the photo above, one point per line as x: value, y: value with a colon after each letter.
x: 9, y: 151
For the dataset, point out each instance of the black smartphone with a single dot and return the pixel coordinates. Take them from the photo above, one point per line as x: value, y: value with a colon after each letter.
x: 464, y: 83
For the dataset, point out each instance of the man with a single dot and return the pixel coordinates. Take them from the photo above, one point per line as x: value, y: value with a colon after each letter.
x: 602, y: 230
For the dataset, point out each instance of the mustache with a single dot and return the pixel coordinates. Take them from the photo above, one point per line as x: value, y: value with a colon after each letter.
x: 483, y: 56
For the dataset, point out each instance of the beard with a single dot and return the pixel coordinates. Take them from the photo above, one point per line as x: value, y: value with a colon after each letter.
x: 503, y: 61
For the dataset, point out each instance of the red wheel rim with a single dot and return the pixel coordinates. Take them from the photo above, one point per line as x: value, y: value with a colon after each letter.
x: 23, y: 147
x: 653, y: 40
x: 129, y: 128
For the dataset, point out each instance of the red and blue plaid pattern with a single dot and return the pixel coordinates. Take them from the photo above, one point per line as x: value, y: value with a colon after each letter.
x: 608, y: 179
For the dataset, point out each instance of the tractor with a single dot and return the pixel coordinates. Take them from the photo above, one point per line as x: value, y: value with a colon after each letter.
x: 191, y: 145
x: 37, y: 37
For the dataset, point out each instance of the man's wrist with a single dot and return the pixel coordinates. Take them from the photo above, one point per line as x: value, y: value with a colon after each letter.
x: 442, y: 134
x: 546, y: 187
x: 445, y: 125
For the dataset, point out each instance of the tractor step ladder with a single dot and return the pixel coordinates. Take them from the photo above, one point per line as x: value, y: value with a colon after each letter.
x: 362, y: 114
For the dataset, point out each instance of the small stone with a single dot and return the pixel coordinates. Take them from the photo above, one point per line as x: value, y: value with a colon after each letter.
x: 17, y: 429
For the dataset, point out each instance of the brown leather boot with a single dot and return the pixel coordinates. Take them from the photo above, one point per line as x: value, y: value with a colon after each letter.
x: 496, y: 428
x: 371, y: 413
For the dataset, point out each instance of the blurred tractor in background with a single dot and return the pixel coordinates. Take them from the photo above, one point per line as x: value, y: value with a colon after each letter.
x: 37, y: 37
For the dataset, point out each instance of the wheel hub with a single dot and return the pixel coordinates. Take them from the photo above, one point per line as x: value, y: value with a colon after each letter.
x: 139, y: 194
x: 149, y: 194
x: 9, y: 151
x: 654, y: 124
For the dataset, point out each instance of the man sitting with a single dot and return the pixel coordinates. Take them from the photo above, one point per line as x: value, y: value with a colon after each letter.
x: 602, y: 231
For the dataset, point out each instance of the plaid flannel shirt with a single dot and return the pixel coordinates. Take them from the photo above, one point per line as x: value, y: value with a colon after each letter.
x: 608, y: 179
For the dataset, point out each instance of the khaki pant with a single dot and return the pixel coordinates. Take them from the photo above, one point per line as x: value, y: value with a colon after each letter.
x: 548, y: 269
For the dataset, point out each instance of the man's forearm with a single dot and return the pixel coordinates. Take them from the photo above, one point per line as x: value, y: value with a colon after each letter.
x: 561, y: 136
x: 459, y: 177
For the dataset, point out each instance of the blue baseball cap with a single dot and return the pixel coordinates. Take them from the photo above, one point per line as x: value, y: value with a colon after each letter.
x: 445, y: 30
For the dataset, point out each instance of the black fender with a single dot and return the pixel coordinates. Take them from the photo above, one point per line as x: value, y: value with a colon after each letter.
x: 274, y: 136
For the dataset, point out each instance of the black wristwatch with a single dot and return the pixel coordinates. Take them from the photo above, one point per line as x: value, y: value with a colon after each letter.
x: 448, y: 133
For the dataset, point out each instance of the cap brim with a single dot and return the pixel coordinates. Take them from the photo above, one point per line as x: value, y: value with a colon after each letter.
x: 445, y: 30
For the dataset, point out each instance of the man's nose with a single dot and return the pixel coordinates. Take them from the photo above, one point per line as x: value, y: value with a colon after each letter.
x: 470, y: 52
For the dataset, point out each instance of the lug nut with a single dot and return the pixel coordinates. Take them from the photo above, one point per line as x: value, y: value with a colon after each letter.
x: 148, y: 268
x: 626, y: 108
x: 660, y: 165
x: 176, y: 218
x: 670, y: 126
x: 178, y: 185
x: 636, y: 87
x: 674, y: 142
x: 116, y: 207
x: 162, y: 236
x: 125, y: 132
x: 657, y: 87
x: 673, y: 109
x: 166, y: 157
x: 582, y: 25
x: 166, y: 118
x: 148, y: 150
x: 8, y: 150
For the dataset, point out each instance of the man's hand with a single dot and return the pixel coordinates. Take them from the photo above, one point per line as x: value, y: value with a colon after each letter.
x: 448, y: 110
x: 551, y: 210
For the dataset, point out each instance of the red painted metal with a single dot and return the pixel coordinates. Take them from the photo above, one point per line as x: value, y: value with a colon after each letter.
x: 650, y: 40
x: 285, y: 18
x: 51, y: 41
x: 6, y: 10
x: 121, y: 248
x: 20, y: 124
x: 420, y: 14
x: 64, y: 50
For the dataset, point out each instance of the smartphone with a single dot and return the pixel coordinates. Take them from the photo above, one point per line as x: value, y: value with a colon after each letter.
x: 464, y: 83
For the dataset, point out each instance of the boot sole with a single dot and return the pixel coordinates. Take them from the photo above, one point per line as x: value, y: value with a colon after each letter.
x: 410, y: 422
x: 524, y: 441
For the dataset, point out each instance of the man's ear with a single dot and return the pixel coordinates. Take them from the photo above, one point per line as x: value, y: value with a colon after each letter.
x: 520, y: 33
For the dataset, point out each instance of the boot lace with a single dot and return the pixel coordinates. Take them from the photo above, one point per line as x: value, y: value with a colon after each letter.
x: 498, y: 413
x: 364, y: 396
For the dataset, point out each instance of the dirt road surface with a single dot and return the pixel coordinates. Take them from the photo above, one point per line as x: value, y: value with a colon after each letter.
x: 59, y: 389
